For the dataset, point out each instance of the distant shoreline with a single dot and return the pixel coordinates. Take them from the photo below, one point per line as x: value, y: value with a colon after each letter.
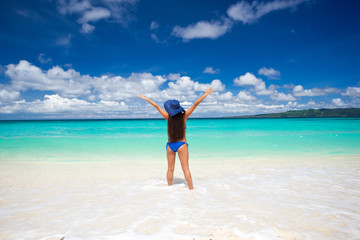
x: 308, y: 113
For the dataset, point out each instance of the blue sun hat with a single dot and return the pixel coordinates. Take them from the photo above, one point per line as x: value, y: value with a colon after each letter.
x: 173, y: 107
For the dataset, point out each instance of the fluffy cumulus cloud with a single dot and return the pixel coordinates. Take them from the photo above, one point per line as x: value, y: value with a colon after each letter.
x: 338, y: 102
x: 299, y: 91
x: 119, y: 88
x: 184, y: 88
x: 250, y: 12
x: 55, y: 104
x: 259, y: 87
x: 8, y: 95
x: 68, y: 93
x: 250, y: 79
x: 70, y: 83
x: 245, y: 96
x: 25, y: 76
x: 352, y: 92
x: 282, y: 97
x: 89, y: 12
x: 269, y: 73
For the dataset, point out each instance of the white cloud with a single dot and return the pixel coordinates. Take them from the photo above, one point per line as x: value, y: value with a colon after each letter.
x: 211, y: 70
x: 154, y: 25
x: 181, y: 88
x: 64, y: 40
x: 352, y: 92
x: 248, y: 13
x: 92, y: 15
x: 269, y: 73
x: 242, y: 11
x: 245, y: 96
x: 279, y: 96
x: 87, y: 12
x: 338, y: 102
x: 6, y: 95
x: 73, y: 6
x: 122, y: 11
x: 329, y: 90
x: 67, y: 93
x: 217, y: 85
x: 239, y: 108
x: 299, y: 91
x: 223, y: 97
x: 57, y: 104
x: 173, y: 76
x: 43, y: 59
x: 119, y: 88
x: 70, y: 83
x: 202, y: 29
x: 25, y: 76
x: 249, y: 79
x: 87, y: 28
x: 95, y: 14
x: 186, y: 89
x: 311, y: 104
x: 156, y: 38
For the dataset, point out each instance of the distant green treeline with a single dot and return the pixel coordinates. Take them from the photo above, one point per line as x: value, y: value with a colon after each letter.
x: 311, y: 113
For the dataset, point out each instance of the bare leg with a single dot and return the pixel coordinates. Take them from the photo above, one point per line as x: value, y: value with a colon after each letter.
x: 184, y: 159
x: 171, y: 165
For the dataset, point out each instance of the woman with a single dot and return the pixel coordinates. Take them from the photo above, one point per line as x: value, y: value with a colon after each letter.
x: 176, y: 118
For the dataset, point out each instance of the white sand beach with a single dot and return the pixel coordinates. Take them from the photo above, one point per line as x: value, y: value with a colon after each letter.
x: 233, y: 199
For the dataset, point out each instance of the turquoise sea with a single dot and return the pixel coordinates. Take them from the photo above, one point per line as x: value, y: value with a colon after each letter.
x: 116, y: 140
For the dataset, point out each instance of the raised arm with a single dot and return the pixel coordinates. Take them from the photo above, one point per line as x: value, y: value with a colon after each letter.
x: 162, y: 112
x: 197, y: 102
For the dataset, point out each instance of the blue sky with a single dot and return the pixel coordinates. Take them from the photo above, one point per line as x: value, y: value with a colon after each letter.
x: 91, y: 58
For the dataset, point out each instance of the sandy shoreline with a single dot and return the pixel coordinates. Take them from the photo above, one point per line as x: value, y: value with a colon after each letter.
x: 248, y: 199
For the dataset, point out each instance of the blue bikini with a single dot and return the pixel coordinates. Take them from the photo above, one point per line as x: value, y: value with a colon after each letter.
x: 174, y: 146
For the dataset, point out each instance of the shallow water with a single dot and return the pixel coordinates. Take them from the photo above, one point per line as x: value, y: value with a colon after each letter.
x: 116, y: 140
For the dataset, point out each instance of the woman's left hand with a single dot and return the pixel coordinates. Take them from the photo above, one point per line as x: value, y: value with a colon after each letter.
x: 207, y: 92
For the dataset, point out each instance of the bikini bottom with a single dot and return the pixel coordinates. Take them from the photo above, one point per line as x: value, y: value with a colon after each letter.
x: 174, y: 146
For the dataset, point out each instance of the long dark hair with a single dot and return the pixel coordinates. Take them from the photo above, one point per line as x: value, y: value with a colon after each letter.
x: 176, y: 128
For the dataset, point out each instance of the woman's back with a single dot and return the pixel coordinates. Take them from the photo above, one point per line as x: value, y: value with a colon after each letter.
x: 176, y: 127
